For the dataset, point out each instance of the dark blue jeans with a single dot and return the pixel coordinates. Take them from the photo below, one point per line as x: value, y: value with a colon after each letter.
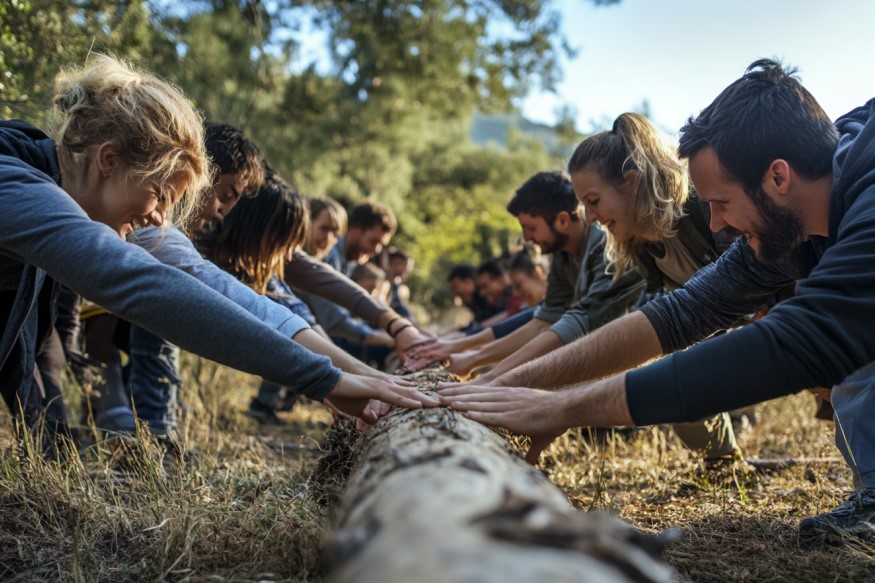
x: 854, y: 404
x: 154, y: 380
x: 148, y: 384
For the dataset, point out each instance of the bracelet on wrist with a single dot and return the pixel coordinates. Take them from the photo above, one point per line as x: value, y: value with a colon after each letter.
x: 388, y: 327
x: 398, y: 331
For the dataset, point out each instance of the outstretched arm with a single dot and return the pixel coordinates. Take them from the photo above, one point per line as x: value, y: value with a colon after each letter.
x: 545, y: 342
x: 623, y: 344
x: 305, y: 273
x: 441, y: 349
x: 543, y: 415
x: 498, y: 349
x: 314, y: 341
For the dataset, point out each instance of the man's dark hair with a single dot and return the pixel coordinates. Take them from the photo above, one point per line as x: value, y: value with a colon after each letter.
x: 492, y: 268
x: 233, y: 153
x: 462, y: 271
x: 369, y: 214
x: 546, y: 194
x: 764, y: 116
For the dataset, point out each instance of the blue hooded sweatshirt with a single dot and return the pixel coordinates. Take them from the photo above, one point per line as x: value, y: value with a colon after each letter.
x: 44, y: 232
x: 816, y: 338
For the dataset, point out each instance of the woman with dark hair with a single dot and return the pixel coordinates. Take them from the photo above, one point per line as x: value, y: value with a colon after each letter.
x: 254, y: 242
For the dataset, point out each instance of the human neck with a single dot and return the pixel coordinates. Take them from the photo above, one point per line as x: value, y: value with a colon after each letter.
x: 577, y: 234
x: 81, y: 188
x: 813, y: 205
x: 350, y: 249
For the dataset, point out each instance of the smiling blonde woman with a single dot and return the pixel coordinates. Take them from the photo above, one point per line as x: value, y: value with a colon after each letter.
x: 129, y: 152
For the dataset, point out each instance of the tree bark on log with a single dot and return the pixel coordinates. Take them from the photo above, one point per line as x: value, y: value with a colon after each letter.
x: 433, y: 496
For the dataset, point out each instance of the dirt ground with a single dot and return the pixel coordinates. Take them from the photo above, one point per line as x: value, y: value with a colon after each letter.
x: 239, y: 506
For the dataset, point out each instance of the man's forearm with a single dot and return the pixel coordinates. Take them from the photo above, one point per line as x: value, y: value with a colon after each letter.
x: 544, y: 343
x: 625, y: 343
x: 473, y: 341
x: 504, y: 347
x: 599, y: 404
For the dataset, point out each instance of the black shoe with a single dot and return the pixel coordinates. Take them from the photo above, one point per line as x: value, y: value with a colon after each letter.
x: 264, y: 415
x: 854, y: 518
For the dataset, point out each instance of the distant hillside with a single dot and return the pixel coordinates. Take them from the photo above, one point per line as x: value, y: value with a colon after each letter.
x: 493, y: 129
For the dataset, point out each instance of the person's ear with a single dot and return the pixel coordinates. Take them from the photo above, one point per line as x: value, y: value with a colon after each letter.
x: 630, y: 179
x: 778, y: 178
x: 108, y: 159
x: 563, y: 219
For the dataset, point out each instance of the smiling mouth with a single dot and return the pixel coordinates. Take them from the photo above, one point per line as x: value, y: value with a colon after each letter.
x: 135, y: 223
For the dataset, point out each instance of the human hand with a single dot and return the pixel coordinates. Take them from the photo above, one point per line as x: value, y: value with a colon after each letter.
x: 378, y: 408
x: 533, y: 412
x: 410, y: 338
x: 353, y: 393
x: 434, y: 350
x: 373, y: 408
x: 462, y: 364
x: 415, y: 364
x: 395, y: 379
x: 487, y: 379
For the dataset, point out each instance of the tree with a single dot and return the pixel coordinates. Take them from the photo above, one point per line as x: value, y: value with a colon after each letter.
x: 39, y: 37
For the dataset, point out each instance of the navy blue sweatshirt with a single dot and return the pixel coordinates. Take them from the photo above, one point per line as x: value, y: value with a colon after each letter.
x: 816, y: 338
x: 43, y: 231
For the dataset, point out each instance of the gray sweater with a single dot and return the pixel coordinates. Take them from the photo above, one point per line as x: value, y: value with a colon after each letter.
x: 581, y: 295
x: 43, y: 229
x: 172, y: 247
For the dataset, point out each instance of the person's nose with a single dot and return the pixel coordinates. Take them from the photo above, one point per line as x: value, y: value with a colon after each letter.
x: 222, y: 210
x: 156, y: 217
x: 589, y: 215
x: 717, y: 221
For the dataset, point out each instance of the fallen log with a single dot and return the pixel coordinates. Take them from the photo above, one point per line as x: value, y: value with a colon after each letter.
x: 433, y: 496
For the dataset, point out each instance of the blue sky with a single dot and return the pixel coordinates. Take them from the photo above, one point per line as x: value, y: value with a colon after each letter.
x: 679, y: 54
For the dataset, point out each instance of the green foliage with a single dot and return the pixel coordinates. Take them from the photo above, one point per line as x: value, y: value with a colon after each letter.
x: 39, y: 37
x: 445, y: 55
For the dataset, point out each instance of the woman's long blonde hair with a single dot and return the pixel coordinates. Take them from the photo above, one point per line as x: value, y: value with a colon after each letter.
x: 157, y: 131
x: 661, y: 185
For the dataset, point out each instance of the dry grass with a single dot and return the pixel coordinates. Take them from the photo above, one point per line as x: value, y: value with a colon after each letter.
x: 240, y: 508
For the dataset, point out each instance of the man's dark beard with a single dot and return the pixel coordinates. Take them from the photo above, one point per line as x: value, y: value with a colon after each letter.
x: 559, y: 241
x: 781, y: 230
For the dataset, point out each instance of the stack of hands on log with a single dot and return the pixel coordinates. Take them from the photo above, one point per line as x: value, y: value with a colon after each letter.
x: 485, y: 400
